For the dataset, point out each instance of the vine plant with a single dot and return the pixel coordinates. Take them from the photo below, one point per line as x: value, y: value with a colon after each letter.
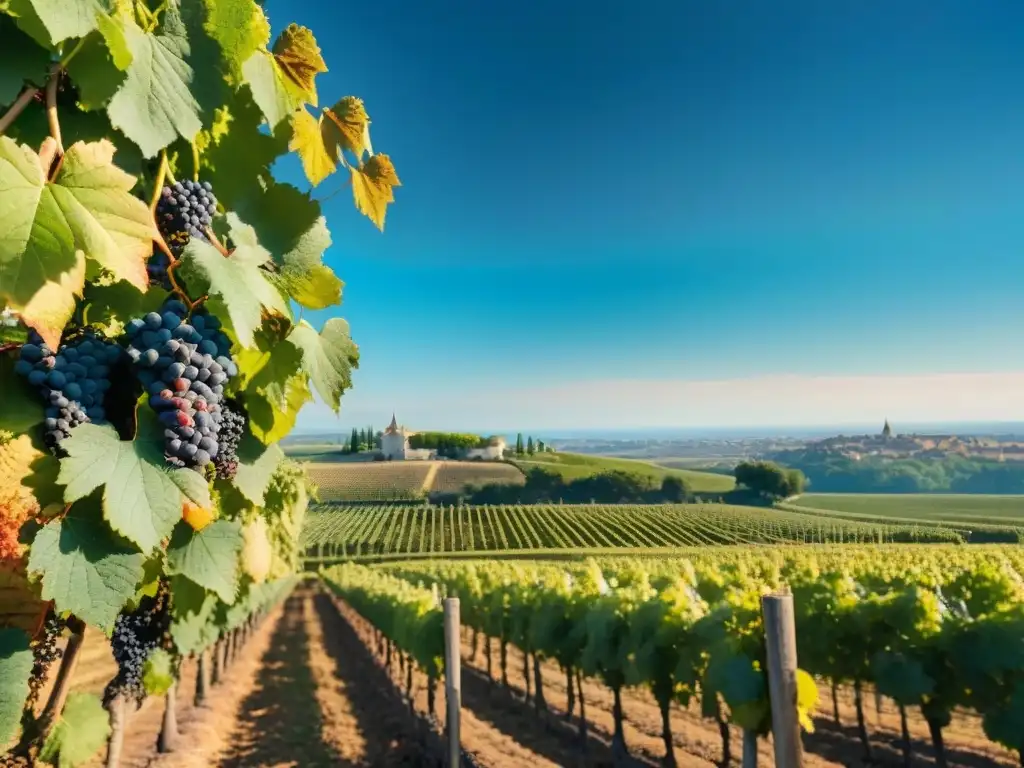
x: 153, y: 272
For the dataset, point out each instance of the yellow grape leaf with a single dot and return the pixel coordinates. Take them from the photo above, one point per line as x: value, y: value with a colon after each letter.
x: 806, y: 699
x: 298, y: 56
x: 372, y: 188
x: 52, y: 306
x: 347, y: 124
x: 16, y: 499
x: 308, y: 143
x: 21, y: 606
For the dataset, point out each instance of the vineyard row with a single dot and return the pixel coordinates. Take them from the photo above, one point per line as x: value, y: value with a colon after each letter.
x: 338, y: 530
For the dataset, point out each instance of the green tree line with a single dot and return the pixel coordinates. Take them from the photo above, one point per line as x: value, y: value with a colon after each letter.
x: 833, y: 473
x: 543, y: 486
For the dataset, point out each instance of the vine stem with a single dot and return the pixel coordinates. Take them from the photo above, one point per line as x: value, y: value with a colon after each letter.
x: 195, y: 162
x: 158, y: 183
x: 51, y: 107
x: 216, y: 243
x: 65, y: 60
x: 17, y: 108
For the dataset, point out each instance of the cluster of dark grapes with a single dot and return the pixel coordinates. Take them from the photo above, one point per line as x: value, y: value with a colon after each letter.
x: 136, y: 635
x: 157, y: 269
x: 231, y: 427
x: 185, y: 210
x: 44, y: 653
x: 73, y: 380
x: 183, y: 364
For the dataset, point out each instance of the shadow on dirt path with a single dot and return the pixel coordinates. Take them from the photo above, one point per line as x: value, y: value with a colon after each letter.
x: 381, y: 717
x: 280, y: 723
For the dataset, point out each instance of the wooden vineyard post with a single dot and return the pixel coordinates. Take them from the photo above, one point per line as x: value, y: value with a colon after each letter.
x: 452, y: 678
x: 202, y: 677
x: 780, y: 641
x: 167, y: 741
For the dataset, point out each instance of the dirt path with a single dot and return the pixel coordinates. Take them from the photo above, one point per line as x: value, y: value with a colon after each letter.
x: 428, y: 481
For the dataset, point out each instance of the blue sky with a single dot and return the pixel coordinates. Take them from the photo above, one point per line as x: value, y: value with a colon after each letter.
x: 633, y: 198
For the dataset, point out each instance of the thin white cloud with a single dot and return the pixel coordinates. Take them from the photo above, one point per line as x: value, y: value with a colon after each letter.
x: 748, y: 402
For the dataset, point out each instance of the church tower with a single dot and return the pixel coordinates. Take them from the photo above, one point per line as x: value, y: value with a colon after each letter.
x: 394, y: 442
x: 886, y: 431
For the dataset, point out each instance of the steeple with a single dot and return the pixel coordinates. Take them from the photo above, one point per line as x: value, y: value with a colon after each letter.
x: 886, y: 430
x: 393, y: 426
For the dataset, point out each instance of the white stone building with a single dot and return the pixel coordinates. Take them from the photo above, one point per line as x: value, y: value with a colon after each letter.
x: 494, y: 451
x: 394, y: 446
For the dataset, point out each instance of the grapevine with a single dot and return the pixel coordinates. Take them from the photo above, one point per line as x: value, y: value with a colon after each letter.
x: 136, y: 635
x: 157, y: 271
x: 44, y: 653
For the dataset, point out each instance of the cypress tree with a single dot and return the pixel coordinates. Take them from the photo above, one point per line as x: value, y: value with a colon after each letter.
x: 519, y: 444
x: 354, y: 441
x: 529, y: 446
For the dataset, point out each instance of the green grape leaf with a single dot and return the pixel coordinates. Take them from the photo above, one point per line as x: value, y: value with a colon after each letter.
x: 743, y: 688
x: 114, y: 304
x: 328, y: 357
x: 276, y: 97
x: 155, y: 105
x: 85, y: 568
x: 208, y: 557
x: 142, y: 495
x: 53, y: 21
x: 283, y: 81
x: 273, y: 410
x: 267, y: 351
x: 240, y: 29
x: 236, y: 284
x: 48, y: 226
x: 901, y: 678
x: 23, y: 61
x: 281, y: 215
x: 1003, y: 724
x: 98, y: 69
x: 806, y: 699
x: 256, y: 465
x: 80, y: 732
x: 32, y: 128
x: 192, y: 609
x: 21, y: 407
x: 15, y: 668
x: 158, y: 672
x: 303, y: 276
x: 237, y: 155
x: 149, y: 585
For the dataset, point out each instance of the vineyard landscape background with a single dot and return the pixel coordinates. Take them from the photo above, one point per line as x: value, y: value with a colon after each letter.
x: 187, y: 580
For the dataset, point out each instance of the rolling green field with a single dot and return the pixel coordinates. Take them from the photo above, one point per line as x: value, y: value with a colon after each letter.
x: 393, y: 530
x: 573, y: 465
x: 404, y: 480
x: 950, y: 508
x: 315, y: 452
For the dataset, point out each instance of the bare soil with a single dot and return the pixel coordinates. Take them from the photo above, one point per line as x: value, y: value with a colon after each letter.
x: 697, y: 740
x: 313, y: 687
